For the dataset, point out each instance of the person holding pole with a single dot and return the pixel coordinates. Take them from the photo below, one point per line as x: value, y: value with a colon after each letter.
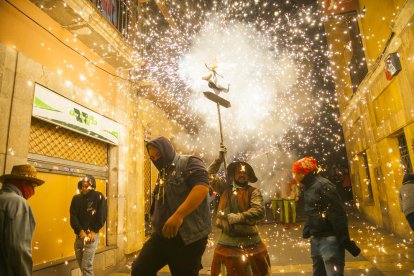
x: 239, y: 250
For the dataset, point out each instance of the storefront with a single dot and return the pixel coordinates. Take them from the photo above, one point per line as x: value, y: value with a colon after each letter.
x: 66, y: 142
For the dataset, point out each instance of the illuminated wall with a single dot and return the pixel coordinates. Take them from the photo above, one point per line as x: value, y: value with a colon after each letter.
x: 379, y: 112
x: 54, y: 238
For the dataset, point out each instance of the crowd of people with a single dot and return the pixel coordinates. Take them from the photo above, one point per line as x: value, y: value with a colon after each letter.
x: 181, y: 218
x: 181, y: 225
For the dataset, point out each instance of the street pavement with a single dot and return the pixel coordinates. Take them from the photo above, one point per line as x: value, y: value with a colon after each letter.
x: 382, y: 253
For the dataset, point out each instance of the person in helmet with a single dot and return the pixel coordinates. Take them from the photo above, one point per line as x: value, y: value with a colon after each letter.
x: 87, y: 216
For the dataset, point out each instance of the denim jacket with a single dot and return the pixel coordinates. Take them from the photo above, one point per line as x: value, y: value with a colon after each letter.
x: 16, y: 231
x: 179, y: 173
x: 197, y: 224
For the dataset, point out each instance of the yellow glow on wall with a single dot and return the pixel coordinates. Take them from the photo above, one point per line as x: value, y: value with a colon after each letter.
x: 53, y: 237
x: 375, y: 26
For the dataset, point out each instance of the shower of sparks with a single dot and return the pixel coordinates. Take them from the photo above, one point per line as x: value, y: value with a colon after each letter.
x: 274, y: 57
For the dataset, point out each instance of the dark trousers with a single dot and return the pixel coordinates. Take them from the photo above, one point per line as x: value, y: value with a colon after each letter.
x: 158, y: 251
x: 410, y: 219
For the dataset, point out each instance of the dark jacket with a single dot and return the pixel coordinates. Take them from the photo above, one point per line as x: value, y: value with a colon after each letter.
x: 179, y: 174
x: 88, y: 212
x: 324, y: 209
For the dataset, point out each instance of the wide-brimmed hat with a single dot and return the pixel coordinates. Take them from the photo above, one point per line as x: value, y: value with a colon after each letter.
x: 23, y: 172
x: 236, y: 165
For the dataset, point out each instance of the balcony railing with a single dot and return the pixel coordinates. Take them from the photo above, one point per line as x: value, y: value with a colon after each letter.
x: 122, y: 14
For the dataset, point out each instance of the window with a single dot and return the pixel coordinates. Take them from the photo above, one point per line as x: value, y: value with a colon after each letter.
x: 405, y: 155
x: 357, y: 65
x: 120, y: 13
x: 366, y: 178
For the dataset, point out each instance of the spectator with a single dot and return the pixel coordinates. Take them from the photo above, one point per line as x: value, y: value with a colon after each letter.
x: 17, y: 223
x: 87, y: 216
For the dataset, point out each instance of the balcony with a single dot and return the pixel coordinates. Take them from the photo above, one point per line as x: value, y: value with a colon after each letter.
x: 105, y: 26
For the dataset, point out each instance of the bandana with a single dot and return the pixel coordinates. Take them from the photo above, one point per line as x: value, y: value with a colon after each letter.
x: 304, y: 166
x: 27, y: 190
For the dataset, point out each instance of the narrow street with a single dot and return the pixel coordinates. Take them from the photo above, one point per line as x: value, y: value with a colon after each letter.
x: 382, y: 253
x: 113, y: 110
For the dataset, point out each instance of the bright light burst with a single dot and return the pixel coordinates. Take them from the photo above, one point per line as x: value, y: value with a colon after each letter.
x: 273, y: 55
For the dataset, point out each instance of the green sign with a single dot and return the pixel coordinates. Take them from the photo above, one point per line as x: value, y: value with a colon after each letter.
x: 52, y: 107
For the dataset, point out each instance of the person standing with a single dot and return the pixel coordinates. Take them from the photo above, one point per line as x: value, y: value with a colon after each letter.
x: 347, y: 186
x: 277, y: 204
x: 406, y: 198
x: 88, y: 212
x: 327, y: 223
x: 17, y: 223
x: 290, y: 194
x: 179, y: 213
x: 239, y: 250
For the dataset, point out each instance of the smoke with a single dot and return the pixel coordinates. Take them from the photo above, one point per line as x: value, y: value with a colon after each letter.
x: 262, y: 94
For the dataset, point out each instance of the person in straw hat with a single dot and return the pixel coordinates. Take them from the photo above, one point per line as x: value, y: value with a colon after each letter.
x: 17, y: 223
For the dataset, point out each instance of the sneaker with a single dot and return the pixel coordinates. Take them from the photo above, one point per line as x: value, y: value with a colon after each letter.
x: 287, y: 225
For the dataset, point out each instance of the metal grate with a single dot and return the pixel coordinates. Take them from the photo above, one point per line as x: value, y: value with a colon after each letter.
x: 367, y: 178
x: 147, y: 191
x: 147, y: 181
x: 54, y: 141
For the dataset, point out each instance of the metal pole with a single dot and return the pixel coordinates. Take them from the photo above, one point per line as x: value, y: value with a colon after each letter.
x: 221, y: 137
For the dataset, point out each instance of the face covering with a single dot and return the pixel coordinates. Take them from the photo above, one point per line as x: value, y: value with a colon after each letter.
x: 159, y: 164
x: 26, y: 189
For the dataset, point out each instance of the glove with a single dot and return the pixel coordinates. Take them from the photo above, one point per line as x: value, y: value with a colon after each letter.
x: 352, y: 248
x: 222, y: 152
x: 233, y: 218
x: 306, y: 234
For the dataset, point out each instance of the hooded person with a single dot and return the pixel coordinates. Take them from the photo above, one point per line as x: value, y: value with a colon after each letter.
x: 326, y: 223
x: 180, y: 213
x: 88, y: 213
x: 17, y: 223
x: 406, y: 198
x: 239, y: 250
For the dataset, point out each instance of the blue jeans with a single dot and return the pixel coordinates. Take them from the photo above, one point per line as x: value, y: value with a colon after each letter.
x: 328, y: 256
x: 85, y: 254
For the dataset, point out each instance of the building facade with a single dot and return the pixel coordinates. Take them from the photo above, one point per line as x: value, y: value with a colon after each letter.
x: 372, y: 65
